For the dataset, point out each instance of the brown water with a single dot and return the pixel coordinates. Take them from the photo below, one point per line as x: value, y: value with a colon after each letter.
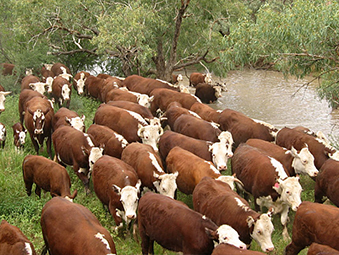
x: 267, y: 96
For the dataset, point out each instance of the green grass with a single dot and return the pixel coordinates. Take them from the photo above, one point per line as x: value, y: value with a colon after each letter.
x: 24, y: 212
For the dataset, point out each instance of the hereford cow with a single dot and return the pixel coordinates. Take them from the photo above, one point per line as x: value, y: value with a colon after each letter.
x: 134, y: 107
x: 24, y: 97
x: 79, y: 81
x: 149, y: 168
x: 197, y: 128
x: 75, y: 148
x: 320, y: 249
x: 112, y: 142
x: 2, y: 135
x: 47, y: 76
x: 117, y: 186
x: 206, y: 112
x: 314, y: 222
x: 47, y: 175
x: 143, y: 85
x: 218, y: 152
x: 129, y: 124
x: 267, y: 180
x: 208, y: 93
x: 61, y: 70
x: 186, y: 230
x: 94, y: 86
x: 19, y: 135
x: 74, y: 222
x: 196, y: 78
x: 192, y: 169
x: 34, y: 83
x: 288, y: 137
x: 244, y: 128
x: 38, y: 121
x: 66, y: 117
x: 13, y: 241
x: 222, y: 205
x: 176, y: 78
x: 61, y: 91
x: 124, y: 95
x: 7, y: 68
x: 327, y: 182
x: 295, y: 162
x: 227, y: 249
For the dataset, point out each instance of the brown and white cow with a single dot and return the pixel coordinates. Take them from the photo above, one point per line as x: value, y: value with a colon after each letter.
x: 176, y: 78
x: 19, y: 135
x: 38, y: 122
x: 61, y: 70
x: 218, y: 152
x: 192, y: 169
x: 206, y: 112
x: 208, y: 93
x: 66, y: 117
x: 47, y: 76
x: 134, y: 107
x: 320, y: 249
x: 129, y: 124
x: 3, y: 134
x: 61, y: 91
x: 222, y: 205
x: 176, y: 227
x: 79, y: 81
x: 125, y: 95
x: 74, y: 222
x: 196, y: 78
x: 47, y: 175
x: 295, y: 162
x: 288, y: 137
x: 227, y: 249
x: 314, y: 222
x: 75, y: 148
x: 94, y: 86
x: 149, y: 168
x: 13, y: 241
x: 117, y: 185
x: 327, y: 182
x: 113, y: 143
x: 34, y: 83
x: 267, y: 180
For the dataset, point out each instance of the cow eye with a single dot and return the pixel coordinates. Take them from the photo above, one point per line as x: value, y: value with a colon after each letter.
x: 259, y: 232
x: 304, y: 162
x: 288, y: 192
x: 225, y: 238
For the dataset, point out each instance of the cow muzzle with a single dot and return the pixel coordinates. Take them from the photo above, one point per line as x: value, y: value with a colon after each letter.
x: 222, y: 168
x: 38, y: 131
x: 131, y: 217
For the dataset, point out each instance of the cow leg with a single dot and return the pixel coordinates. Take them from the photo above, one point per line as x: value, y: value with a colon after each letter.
x: 293, y: 249
x: 35, y: 144
x: 49, y: 147
x: 38, y: 190
x: 82, y: 176
x: 146, y: 242
x: 318, y: 194
x: 28, y: 185
x: 68, y: 103
x: 284, y: 219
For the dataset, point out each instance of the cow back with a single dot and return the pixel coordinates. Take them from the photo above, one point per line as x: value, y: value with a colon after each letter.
x: 206, y: 112
x: 27, y: 80
x: 59, y: 118
x: 56, y: 69
x: 134, y: 107
x: 320, y: 249
x: 120, y: 95
x: 227, y: 249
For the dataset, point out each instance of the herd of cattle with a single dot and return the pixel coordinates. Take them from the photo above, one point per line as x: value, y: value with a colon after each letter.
x: 126, y: 152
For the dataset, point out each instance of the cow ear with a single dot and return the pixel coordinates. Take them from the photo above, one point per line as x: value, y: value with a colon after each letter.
x: 137, y: 186
x: 141, y: 129
x: 116, y: 189
x: 211, y: 234
x: 85, y: 151
x: 250, y: 221
x: 68, y: 120
x: 277, y: 187
x: 32, y: 86
x: 151, y: 99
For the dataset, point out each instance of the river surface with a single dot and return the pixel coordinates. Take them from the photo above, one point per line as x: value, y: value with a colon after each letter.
x: 268, y: 96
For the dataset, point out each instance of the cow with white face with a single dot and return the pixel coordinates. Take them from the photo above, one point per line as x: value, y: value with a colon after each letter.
x: 143, y: 99
x: 61, y: 91
x: 2, y: 135
x: 67, y: 117
x: 19, y: 134
x: 3, y: 99
x: 79, y: 82
x: 150, y: 134
x: 77, y: 122
x: 303, y: 162
x: 40, y: 87
x: 64, y: 74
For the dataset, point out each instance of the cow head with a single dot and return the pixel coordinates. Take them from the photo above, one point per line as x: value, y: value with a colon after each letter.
x: 217, y: 91
x: 262, y: 230
x: 166, y: 183
x: 144, y: 100
x: 64, y: 74
x: 303, y: 162
x: 48, y: 86
x: 226, y: 137
x: 179, y: 77
x: 3, y: 99
x: 80, y: 84
x: 208, y: 78
x: 289, y: 190
x: 94, y: 154
x: 230, y: 180
x: 220, y: 152
x: 2, y: 132
x: 129, y: 196
x: 226, y: 234
x: 20, y: 137
x: 39, y: 87
x: 65, y: 92
x: 77, y: 123
x: 38, y: 120
x: 150, y: 134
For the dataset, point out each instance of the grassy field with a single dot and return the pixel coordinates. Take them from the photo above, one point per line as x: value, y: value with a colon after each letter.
x: 24, y: 212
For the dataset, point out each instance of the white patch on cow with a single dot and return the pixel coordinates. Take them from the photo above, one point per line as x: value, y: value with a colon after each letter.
x: 82, y: 170
x: 278, y: 168
x: 217, y: 90
x: 89, y: 141
x: 227, y: 179
x: 208, y: 78
x: 3, y: 99
x: 226, y: 137
x: 212, y: 167
x: 64, y: 74
x: 262, y: 231
x: 150, y: 135
x: 22, y: 137
x: 334, y: 156
x: 28, y: 248
x: 155, y: 163
x: 138, y: 117
x: 121, y: 139
x: 94, y: 155
x: 77, y: 123
x: 242, y: 205
x: 65, y: 92
x: 321, y: 137
x: 204, y: 217
x: 143, y: 99
x: 197, y: 98
x: 166, y: 185
x: 2, y: 132
x: 303, y: 162
x: 184, y: 89
x: 220, y: 153
x: 229, y: 235
x: 215, y: 125
x: 102, y: 238
x: 49, y: 82
x: 272, y: 130
x: 38, y: 86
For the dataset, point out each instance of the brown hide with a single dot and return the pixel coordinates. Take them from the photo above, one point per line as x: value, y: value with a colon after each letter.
x: 190, y: 167
x: 47, y: 175
x: 196, y: 128
x: 174, y: 111
x: 59, y: 118
x: 105, y: 136
x: 7, y: 69
x: 314, y: 222
x: 287, y: 138
x: 327, y: 182
x: 120, y: 95
x: 134, y: 107
x: 94, y: 86
x: 27, y: 80
x: 13, y: 241
x: 74, y: 222
x: 206, y: 112
x: 57, y: 85
x: 185, y: 229
x: 227, y: 249
x: 24, y: 97
x: 108, y: 171
x: 57, y: 70
x: 17, y: 128
x: 78, y: 76
x: 46, y: 73
x: 196, y: 78
x: 320, y: 249
x: 206, y: 93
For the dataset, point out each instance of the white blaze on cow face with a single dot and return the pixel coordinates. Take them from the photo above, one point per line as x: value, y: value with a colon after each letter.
x: 226, y: 137
x: 39, y: 87
x: 229, y: 235
x: 220, y: 152
x: 179, y: 77
x: 303, y: 162
x: 144, y: 100
x: 81, y: 83
x: 150, y: 134
x: 230, y: 180
x: 77, y: 123
x: 218, y: 91
x: 48, y: 86
x: 21, y: 136
x: 289, y: 190
x: 64, y: 74
x: 65, y: 92
x: 38, y: 122
x: 262, y: 231
x: 94, y: 155
x: 208, y: 78
x: 166, y: 183
x: 3, y: 99
x: 2, y: 133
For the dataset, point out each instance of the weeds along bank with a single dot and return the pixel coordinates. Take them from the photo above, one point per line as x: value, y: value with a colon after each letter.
x: 24, y: 212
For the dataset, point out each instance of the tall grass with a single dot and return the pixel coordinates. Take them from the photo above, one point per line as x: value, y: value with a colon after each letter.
x: 24, y: 211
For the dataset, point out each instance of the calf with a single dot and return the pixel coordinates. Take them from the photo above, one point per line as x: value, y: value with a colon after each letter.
x: 176, y: 78
x: 66, y: 117
x: 75, y: 148
x: 34, y: 83
x: 206, y: 112
x: 192, y: 169
x: 79, y: 82
x: 208, y: 93
x: 116, y: 184
x: 74, y: 222
x: 222, y: 205
x: 314, y: 222
x: 149, y: 168
x: 327, y: 182
x: 61, y: 91
x: 295, y: 162
x: 47, y: 175
x: 61, y: 70
x: 267, y: 180
x: 196, y: 78
x: 19, y: 135
x: 13, y: 241
x: 2, y: 135
x: 186, y: 230
x: 113, y: 143
x: 47, y: 76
